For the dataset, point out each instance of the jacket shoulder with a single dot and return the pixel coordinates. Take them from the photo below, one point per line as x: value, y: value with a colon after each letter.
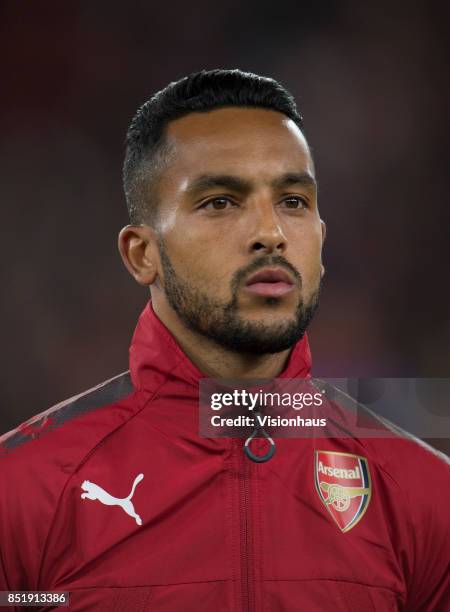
x: 406, y: 457
x: 66, y: 413
x: 38, y: 458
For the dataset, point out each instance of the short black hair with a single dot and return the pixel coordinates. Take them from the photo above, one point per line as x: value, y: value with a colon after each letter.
x: 199, y: 92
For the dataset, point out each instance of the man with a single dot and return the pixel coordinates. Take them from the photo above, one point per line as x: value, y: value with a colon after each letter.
x: 115, y: 497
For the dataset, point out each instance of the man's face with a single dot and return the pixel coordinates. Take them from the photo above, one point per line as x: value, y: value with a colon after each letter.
x: 239, y: 232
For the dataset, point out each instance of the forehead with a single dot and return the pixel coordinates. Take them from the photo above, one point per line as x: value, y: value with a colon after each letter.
x: 252, y: 142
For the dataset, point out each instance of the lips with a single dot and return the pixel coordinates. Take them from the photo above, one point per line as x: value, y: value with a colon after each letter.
x: 270, y: 275
x: 270, y: 282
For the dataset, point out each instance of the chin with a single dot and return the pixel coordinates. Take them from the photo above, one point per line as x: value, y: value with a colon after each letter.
x: 272, y: 314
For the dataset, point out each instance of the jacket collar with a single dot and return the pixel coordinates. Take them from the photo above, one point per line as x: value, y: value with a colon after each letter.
x: 156, y: 357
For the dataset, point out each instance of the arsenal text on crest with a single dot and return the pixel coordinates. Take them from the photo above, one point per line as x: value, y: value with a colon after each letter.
x: 339, y: 472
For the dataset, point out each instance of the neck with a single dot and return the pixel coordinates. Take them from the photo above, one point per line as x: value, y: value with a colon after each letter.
x: 216, y: 361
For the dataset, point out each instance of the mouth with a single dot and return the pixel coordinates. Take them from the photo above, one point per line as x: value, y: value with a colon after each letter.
x: 270, y: 282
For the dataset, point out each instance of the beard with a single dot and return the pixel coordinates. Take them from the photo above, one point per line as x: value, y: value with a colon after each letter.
x: 219, y: 320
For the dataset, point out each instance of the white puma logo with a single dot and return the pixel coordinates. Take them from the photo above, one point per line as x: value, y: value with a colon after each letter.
x: 93, y: 491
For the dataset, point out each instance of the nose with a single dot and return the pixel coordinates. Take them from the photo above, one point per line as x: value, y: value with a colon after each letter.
x: 267, y: 236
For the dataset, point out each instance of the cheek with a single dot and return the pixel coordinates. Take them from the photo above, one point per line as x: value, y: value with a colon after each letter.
x: 200, y: 263
x: 306, y: 257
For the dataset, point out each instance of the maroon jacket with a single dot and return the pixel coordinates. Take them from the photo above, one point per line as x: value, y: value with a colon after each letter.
x: 114, y: 496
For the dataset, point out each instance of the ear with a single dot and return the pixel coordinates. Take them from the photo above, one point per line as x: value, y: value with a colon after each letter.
x: 324, y: 233
x: 138, y: 249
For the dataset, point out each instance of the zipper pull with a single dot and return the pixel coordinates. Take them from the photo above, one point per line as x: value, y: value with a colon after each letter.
x: 248, y: 451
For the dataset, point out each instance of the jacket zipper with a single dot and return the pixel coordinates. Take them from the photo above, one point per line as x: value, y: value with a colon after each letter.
x: 247, y: 578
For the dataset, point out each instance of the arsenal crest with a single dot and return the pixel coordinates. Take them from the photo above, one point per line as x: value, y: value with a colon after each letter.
x: 343, y: 484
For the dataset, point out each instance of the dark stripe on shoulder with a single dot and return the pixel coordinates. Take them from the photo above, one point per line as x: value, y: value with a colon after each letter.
x: 364, y: 417
x: 102, y: 395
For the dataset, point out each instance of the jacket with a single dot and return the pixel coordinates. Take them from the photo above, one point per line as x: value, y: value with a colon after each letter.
x: 114, y: 497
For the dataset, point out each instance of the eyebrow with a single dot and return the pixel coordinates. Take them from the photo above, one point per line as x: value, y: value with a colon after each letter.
x: 209, y: 181
x: 294, y: 178
x: 235, y: 183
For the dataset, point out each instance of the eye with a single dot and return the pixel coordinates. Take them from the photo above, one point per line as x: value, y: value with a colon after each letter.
x: 295, y: 202
x: 218, y: 204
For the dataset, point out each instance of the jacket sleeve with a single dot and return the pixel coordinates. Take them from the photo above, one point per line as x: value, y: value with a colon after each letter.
x: 427, y: 495
x: 29, y: 489
x: 4, y: 584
